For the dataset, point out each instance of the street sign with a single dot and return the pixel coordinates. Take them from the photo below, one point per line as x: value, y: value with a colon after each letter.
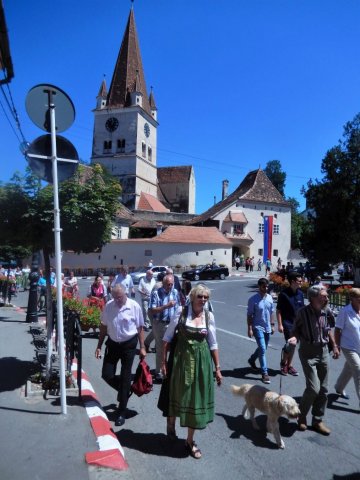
x: 39, y: 157
x: 38, y: 107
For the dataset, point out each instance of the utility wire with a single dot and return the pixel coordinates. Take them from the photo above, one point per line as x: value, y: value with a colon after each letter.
x: 8, y: 119
x: 13, y: 111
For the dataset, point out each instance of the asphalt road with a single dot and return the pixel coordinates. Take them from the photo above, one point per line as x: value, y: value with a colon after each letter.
x: 231, y: 448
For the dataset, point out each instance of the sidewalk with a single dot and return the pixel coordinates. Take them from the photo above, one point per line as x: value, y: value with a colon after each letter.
x: 38, y: 441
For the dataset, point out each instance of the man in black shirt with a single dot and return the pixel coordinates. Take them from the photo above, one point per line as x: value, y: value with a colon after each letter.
x: 290, y: 300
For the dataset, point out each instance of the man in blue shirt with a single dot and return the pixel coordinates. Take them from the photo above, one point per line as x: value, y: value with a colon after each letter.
x: 164, y: 304
x: 260, y: 319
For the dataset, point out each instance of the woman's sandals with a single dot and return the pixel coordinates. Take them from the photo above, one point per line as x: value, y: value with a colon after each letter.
x: 193, y: 450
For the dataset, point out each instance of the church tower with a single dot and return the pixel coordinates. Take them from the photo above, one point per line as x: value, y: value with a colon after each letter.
x: 125, y: 124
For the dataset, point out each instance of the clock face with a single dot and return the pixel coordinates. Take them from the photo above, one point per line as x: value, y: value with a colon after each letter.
x: 147, y: 129
x: 112, y: 124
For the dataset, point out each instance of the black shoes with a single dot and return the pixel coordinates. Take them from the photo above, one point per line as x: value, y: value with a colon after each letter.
x: 120, y: 420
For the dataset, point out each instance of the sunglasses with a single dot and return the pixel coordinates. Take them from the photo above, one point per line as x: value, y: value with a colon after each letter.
x: 205, y: 297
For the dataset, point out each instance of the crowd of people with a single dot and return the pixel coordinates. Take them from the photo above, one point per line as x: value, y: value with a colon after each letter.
x: 180, y: 320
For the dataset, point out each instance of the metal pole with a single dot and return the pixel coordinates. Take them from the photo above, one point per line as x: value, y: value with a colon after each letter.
x: 32, y: 315
x: 57, y: 231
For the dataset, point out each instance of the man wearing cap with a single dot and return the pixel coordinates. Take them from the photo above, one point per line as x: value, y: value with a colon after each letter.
x: 260, y: 318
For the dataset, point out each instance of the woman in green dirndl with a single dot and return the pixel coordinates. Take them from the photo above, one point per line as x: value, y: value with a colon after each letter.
x: 189, y: 370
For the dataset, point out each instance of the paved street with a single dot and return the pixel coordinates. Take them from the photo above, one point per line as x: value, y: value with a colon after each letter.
x: 230, y: 446
x: 38, y: 442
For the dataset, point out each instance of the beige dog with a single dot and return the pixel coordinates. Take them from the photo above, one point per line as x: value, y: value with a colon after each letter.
x: 271, y: 403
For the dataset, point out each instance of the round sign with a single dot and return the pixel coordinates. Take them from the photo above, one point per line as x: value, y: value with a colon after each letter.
x: 42, y: 167
x: 38, y: 102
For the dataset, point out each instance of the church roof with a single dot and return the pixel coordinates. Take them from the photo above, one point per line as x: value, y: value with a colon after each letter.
x: 150, y: 203
x: 128, y: 74
x: 152, y: 100
x: 186, y: 234
x: 174, y: 174
x: 102, y: 90
x: 256, y: 187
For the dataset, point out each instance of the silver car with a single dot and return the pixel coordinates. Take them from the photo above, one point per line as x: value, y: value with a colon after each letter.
x: 139, y: 274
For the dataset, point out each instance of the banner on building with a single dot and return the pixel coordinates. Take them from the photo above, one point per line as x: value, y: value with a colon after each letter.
x: 268, y: 233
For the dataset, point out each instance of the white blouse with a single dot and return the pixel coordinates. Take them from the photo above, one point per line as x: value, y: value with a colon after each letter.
x: 211, y: 335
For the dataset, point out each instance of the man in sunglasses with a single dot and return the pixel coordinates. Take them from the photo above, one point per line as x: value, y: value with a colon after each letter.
x: 290, y: 300
x: 260, y: 318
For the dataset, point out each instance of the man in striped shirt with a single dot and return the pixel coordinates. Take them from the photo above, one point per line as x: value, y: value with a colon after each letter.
x: 312, y: 328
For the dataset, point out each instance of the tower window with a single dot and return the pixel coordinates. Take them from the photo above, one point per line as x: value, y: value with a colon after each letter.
x: 107, y: 146
x: 143, y: 149
x: 276, y: 229
x: 150, y: 154
x: 121, y: 145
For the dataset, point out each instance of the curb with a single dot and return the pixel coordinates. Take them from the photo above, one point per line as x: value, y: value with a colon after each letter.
x: 110, y: 454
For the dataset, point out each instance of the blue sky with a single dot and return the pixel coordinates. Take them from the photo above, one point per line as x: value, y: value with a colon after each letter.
x: 237, y: 83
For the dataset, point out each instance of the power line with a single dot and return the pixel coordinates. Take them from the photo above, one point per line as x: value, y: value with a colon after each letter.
x: 8, y: 119
x: 11, y: 106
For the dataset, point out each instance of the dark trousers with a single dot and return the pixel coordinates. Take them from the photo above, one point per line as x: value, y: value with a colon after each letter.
x: 124, y: 351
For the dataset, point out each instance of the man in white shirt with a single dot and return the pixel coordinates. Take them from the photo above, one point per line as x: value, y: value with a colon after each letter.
x: 146, y: 285
x: 122, y: 322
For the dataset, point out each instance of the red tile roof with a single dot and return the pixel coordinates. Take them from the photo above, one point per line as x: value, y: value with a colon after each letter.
x: 185, y: 234
x: 150, y: 203
x: 236, y: 217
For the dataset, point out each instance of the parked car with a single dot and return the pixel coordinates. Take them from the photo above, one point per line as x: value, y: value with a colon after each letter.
x: 206, y: 272
x: 139, y: 274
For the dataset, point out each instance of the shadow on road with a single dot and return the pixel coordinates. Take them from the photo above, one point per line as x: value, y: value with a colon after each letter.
x: 152, y: 443
x: 242, y: 427
x: 15, y: 372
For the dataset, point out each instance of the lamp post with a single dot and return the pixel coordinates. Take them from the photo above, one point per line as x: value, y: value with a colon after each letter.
x: 31, y: 315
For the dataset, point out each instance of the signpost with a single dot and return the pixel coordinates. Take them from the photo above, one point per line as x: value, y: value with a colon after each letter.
x: 41, y: 103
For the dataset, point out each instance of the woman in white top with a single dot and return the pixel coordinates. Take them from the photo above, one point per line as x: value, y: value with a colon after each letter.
x: 347, y: 337
x: 191, y: 382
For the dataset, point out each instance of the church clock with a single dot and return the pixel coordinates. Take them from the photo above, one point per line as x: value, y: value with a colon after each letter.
x: 111, y: 124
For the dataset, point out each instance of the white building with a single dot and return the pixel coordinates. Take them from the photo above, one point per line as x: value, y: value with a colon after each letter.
x: 243, y: 217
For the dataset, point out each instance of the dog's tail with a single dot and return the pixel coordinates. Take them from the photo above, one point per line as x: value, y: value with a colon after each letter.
x: 241, y: 389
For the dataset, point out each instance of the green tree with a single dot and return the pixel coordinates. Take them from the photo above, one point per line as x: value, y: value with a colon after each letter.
x: 88, y: 204
x: 334, y: 203
x: 298, y: 223
x: 276, y: 174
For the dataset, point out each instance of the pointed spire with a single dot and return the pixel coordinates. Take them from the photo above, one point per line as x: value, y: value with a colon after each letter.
x: 103, y: 90
x: 152, y: 100
x: 101, y: 96
x: 128, y: 74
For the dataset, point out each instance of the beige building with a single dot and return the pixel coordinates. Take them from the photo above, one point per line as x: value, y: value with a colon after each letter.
x: 177, y: 245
